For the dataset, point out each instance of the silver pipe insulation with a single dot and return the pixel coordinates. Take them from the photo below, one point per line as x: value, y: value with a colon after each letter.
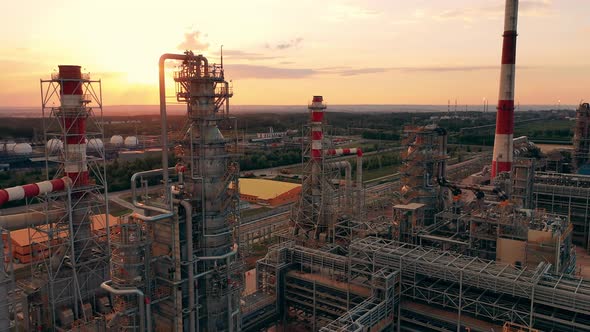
x: 144, y: 311
x: 189, y: 249
x: 166, y: 187
x: 359, y: 183
x: 13, y: 222
x: 4, y: 283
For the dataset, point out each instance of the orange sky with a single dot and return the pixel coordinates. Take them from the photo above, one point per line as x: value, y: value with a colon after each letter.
x: 278, y: 52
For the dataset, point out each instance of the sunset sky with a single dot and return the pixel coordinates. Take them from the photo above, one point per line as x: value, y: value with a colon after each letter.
x: 282, y: 52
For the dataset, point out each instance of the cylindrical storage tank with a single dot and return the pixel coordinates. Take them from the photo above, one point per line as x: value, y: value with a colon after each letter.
x: 54, y: 145
x: 117, y: 140
x: 8, y: 147
x: 95, y: 144
x: 23, y: 148
x: 131, y: 141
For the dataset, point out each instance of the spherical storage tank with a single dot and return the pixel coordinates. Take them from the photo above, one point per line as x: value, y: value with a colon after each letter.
x: 95, y: 144
x: 54, y: 145
x: 23, y: 148
x: 131, y: 141
x: 117, y: 140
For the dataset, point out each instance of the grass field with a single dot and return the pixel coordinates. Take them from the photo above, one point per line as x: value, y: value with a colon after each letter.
x: 377, y: 173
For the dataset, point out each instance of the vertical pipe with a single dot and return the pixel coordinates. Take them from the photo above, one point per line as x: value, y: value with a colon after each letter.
x: 188, y: 208
x: 359, y: 181
x: 503, y: 145
x: 4, y: 282
x: 140, y: 299
x: 163, y: 116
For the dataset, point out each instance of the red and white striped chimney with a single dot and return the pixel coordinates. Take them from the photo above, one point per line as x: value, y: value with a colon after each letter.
x: 503, y: 145
x: 317, y: 108
x: 74, y: 115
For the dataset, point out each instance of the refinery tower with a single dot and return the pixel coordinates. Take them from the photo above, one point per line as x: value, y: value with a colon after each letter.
x: 179, y: 255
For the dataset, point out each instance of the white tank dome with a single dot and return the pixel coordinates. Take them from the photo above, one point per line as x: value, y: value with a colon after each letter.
x: 23, y: 148
x: 117, y: 140
x: 8, y: 147
x: 131, y: 141
x: 95, y: 144
x: 54, y: 145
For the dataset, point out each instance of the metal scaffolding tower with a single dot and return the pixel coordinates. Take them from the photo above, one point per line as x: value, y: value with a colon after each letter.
x: 72, y: 254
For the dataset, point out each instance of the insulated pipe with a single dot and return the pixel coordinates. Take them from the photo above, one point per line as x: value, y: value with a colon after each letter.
x: 344, y: 152
x: 503, y: 145
x: 348, y: 175
x: 4, y: 313
x: 359, y: 181
x: 34, y: 189
x: 188, y: 208
x: 143, y: 311
x: 13, y: 222
x: 134, y: 190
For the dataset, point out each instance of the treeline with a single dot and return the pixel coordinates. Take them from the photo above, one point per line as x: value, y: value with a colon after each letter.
x: 119, y: 173
x: 381, y: 135
x: 276, y: 158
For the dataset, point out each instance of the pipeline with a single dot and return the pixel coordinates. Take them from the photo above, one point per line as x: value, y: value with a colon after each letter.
x: 348, y: 176
x: 34, y: 189
x: 188, y: 208
x: 503, y: 145
x: 145, y: 311
x: 134, y: 190
x: 4, y: 308
x: 13, y: 222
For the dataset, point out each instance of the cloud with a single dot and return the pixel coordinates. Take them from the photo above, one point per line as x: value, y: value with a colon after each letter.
x: 192, y: 41
x: 539, y: 8
x: 245, y: 71
x: 285, y: 45
x: 347, y: 71
x: 346, y: 12
x: 245, y: 55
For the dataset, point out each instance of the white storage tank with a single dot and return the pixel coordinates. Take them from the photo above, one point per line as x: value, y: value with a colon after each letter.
x: 95, y: 144
x: 8, y: 147
x: 117, y: 140
x: 131, y: 141
x: 54, y: 145
x: 23, y: 148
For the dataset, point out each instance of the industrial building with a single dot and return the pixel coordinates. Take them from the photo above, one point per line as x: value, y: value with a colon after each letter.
x: 435, y: 253
x: 268, y: 192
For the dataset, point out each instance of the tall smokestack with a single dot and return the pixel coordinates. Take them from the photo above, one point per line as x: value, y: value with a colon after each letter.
x: 502, y: 159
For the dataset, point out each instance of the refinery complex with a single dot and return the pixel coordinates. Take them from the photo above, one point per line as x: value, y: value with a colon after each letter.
x: 482, y: 244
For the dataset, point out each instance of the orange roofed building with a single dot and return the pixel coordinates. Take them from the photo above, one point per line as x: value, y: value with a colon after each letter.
x: 29, y: 245
x: 268, y: 192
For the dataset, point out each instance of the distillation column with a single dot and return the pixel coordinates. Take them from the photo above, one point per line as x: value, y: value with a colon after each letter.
x: 209, y: 189
x: 503, y: 144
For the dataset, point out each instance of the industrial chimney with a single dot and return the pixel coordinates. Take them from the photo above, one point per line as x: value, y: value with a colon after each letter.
x: 502, y: 158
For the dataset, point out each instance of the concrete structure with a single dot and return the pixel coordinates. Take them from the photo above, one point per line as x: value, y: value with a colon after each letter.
x: 269, y: 192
